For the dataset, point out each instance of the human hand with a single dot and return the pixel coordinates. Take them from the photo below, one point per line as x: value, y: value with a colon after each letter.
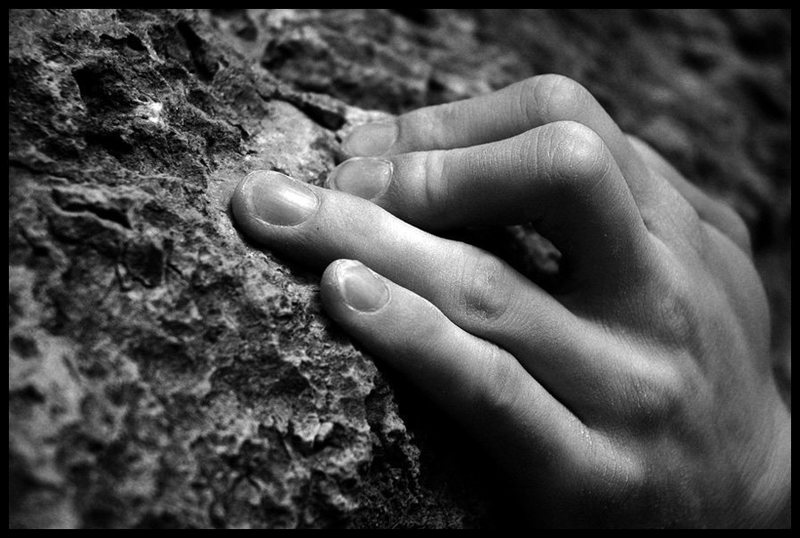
x: 639, y: 391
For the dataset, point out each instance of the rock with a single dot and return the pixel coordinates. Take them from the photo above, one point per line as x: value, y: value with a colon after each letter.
x: 165, y: 373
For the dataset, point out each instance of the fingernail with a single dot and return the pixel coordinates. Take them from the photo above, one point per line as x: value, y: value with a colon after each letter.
x: 366, y: 177
x: 278, y: 199
x: 371, y: 139
x: 361, y: 289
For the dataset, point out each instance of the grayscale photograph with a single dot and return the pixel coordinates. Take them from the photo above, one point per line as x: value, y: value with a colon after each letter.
x: 489, y: 269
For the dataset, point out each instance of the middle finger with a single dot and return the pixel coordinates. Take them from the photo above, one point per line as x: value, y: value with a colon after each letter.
x: 476, y: 290
x: 561, y: 176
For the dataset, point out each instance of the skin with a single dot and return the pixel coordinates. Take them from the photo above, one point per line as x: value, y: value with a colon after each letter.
x: 636, y: 393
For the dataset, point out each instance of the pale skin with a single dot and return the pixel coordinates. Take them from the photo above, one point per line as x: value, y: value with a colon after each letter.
x: 639, y: 392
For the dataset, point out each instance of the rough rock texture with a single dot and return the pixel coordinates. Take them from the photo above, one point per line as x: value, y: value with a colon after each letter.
x: 164, y: 373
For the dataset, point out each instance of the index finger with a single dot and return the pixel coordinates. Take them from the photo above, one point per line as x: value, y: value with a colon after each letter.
x: 503, y: 114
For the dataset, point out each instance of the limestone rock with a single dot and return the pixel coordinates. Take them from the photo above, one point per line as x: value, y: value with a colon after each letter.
x: 165, y: 373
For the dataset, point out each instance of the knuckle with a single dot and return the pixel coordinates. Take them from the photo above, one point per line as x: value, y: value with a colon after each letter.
x: 610, y: 474
x: 431, y: 125
x: 500, y: 389
x: 676, y: 313
x: 577, y: 155
x: 556, y: 97
x: 616, y: 471
x: 424, y: 330
x: 630, y: 472
x: 658, y: 398
x: 436, y: 188
x: 483, y: 288
x: 421, y: 328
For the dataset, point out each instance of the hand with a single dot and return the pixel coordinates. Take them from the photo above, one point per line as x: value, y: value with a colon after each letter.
x: 639, y: 392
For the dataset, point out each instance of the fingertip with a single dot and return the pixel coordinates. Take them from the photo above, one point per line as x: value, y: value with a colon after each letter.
x: 266, y: 201
x: 239, y: 201
x: 365, y: 177
x: 371, y: 139
x: 242, y: 207
x: 329, y: 289
x: 349, y: 288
